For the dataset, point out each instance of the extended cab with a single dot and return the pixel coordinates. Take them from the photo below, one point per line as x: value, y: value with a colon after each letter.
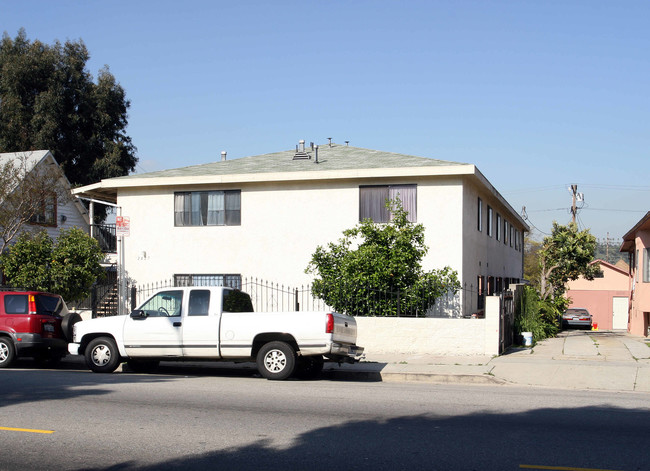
x: 216, y: 323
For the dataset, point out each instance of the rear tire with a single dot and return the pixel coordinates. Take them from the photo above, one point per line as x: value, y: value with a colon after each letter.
x: 276, y: 360
x: 102, y: 355
x: 7, y: 352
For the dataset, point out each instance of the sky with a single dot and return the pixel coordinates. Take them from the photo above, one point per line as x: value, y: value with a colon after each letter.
x: 539, y: 95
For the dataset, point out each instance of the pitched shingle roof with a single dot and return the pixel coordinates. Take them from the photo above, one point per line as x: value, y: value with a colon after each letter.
x: 334, y: 158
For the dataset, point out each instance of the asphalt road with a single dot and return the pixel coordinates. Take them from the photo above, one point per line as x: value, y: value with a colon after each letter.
x: 217, y: 420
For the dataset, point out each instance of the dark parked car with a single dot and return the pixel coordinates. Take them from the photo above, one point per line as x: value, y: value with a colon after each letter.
x: 34, y: 324
x: 576, y: 317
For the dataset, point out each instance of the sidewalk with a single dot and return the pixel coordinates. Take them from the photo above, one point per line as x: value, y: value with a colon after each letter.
x: 604, y: 360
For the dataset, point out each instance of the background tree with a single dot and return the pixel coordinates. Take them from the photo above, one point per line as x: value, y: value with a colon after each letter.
x: 565, y: 255
x: 532, y: 270
x: 375, y: 269
x: 24, y: 192
x: 48, y: 100
x: 68, y: 266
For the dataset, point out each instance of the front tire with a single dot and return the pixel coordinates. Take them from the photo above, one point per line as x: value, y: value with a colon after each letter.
x: 102, y: 355
x: 276, y: 360
x: 7, y: 352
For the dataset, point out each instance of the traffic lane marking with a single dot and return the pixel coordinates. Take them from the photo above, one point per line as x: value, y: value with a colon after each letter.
x: 562, y: 468
x: 29, y: 430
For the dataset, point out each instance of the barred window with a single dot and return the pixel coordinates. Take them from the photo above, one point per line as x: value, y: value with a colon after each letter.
x: 230, y: 280
x: 207, y: 208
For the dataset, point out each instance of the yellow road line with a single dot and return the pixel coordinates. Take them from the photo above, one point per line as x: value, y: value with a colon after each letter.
x: 561, y: 468
x: 26, y: 430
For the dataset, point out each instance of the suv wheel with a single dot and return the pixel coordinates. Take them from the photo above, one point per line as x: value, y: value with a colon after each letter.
x: 7, y: 352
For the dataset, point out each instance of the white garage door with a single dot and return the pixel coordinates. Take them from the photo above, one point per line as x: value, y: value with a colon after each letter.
x: 619, y: 308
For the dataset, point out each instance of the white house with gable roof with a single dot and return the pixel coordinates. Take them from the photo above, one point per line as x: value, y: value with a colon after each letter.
x: 263, y: 216
x: 58, y: 209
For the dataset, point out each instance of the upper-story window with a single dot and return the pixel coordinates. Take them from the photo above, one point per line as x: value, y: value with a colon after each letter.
x: 646, y: 265
x: 372, y: 201
x: 207, y: 208
x: 489, y: 221
x: 505, y: 232
x: 479, y: 215
x: 497, y: 234
x: 45, y: 213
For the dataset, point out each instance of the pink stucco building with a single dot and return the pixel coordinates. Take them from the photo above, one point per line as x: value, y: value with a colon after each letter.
x: 606, y: 297
x: 637, y: 243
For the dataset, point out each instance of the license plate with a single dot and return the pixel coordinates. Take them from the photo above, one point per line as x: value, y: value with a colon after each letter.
x: 48, y: 327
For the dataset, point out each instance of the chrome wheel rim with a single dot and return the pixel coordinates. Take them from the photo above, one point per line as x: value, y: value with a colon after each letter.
x: 275, y: 361
x: 101, y: 355
x: 4, y: 352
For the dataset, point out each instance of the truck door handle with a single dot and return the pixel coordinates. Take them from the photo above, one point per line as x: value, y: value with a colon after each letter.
x: 177, y: 324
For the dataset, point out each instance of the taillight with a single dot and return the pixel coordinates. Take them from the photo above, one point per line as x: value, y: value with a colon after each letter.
x: 329, y: 325
x: 32, y: 304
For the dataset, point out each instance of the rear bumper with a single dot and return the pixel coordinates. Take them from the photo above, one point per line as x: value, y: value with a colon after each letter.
x: 34, y: 344
x: 345, y: 353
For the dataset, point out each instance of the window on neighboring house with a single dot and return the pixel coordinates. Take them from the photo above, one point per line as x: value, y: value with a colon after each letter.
x: 372, y: 201
x: 505, y: 232
x: 489, y: 221
x: 479, y: 215
x: 45, y: 213
x: 498, y: 228
x: 232, y: 280
x: 646, y: 265
x: 207, y: 208
x: 512, y: 234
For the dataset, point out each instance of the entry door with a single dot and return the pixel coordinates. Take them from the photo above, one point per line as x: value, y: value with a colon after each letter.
x: 619, y: 309
x: 159, y: 332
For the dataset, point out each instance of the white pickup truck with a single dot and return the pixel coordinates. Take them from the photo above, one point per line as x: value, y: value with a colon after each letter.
x: 216, y: 323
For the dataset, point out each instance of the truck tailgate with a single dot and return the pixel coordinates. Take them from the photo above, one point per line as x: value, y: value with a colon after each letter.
x: 345, y: 329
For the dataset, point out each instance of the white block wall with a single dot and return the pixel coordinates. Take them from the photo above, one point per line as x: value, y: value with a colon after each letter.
x: 450, y: 337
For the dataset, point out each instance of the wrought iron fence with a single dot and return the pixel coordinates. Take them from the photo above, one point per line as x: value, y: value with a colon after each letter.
x: 268, y: 296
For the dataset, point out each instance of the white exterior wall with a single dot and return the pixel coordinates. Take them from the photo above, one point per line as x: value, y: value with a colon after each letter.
x: 459, y: 337
x: 281, y: 226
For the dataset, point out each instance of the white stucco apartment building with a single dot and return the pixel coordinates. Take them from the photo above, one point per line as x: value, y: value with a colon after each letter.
x: 263, y: 216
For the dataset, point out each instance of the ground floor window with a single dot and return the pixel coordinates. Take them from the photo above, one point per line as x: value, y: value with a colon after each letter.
x: 229, y: 280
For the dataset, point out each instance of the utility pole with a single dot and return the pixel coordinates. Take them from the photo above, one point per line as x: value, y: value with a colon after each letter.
x: 574, y: 209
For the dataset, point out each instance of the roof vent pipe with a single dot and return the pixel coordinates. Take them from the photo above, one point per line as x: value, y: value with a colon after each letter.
x: 223, y: 155
x: 301, y: 145
x: 316, y: 154
x: 330, y: 139
x: 347, y: 143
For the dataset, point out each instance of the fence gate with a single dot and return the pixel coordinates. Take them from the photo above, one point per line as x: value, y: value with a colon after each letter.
x: 507, y: 320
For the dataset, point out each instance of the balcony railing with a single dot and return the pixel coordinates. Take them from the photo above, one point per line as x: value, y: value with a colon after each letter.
x: 106, y: 236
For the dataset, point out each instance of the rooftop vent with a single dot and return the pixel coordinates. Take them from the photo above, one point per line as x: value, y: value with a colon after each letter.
x: 223, y: 155
x: 300, y: 151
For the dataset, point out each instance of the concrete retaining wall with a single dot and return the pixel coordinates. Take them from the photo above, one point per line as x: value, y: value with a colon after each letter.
x: 433, y: 336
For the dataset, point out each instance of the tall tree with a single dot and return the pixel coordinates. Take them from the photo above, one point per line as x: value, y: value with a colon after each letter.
x: 48, y: 100
x: 564, y: 256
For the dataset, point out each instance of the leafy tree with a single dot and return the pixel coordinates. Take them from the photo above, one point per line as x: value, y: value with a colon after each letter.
x: 23, y: 193
x: 375, y: 269
x: 68, y: 267
x: 532, y: 270
x: 564, y: 256
x: 48, y: 100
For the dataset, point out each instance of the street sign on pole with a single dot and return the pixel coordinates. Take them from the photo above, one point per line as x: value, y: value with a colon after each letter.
x: 122, y: 226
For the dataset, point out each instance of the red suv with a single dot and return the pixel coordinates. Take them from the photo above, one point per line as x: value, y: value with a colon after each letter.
x: 34, y: 324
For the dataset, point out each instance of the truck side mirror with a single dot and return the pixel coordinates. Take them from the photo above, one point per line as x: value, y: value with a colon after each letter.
x: 138, y: 314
